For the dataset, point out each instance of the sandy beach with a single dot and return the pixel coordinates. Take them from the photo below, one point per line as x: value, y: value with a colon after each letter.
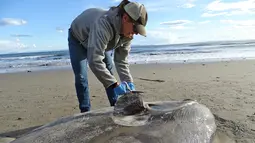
x: 30, y: 99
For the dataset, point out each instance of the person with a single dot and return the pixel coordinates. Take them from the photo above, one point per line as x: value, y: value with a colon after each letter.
x: 94, y: 37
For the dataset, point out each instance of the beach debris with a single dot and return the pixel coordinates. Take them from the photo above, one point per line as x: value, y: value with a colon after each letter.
x: 154, y: 80
x: 45, y: 64
x: 131, y: 120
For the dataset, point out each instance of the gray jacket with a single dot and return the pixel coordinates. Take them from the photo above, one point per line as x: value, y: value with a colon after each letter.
x: 99, y: 31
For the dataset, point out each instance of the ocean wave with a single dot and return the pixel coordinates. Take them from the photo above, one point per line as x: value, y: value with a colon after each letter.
x: 35, y: 57
x: 221, y: 43
x: 139, y: 54
x: 20, y: 58
x: 174, y: 51
x: 155, y: 50
x: 41, y: 63
x: 196, y: 49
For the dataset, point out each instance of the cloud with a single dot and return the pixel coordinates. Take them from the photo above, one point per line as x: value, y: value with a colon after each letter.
x: 240, y: 23
x: 162, y: 37
x: 230, y: 13
x: 218, y: 8
x: 223, y: 6
x: 14, y: 46
x: 5, y: 42
x: 185, y: 31
x: 12, y: 21
x: 213, y: 14
x: 180, y: 27
x: 59, y: 29
x: 115, y: 1
x: 10, y: 46
x: 176, y: 22
x: 21, y: 35
x: 6, y: 45
x: 187, y: 4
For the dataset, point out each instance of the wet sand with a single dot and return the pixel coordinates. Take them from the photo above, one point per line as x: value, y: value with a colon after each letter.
x: 30, y: 99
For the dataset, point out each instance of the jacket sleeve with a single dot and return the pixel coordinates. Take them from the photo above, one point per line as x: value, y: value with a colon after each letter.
x: 100, y: 34
x: 121, y: 62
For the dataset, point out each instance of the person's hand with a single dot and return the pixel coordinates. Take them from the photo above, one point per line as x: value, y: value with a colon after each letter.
x: 121, y: 88
x: 131, y: 86
x: 116, y: 90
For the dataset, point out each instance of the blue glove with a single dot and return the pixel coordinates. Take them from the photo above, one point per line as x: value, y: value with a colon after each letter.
x: 115, y: 90
x: 131, y: 86
x: 121, y: 89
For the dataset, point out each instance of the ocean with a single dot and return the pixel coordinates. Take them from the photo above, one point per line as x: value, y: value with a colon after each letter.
x: 175, y: 53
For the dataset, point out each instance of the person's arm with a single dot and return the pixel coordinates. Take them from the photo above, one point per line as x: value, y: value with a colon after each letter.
x: 121, y: 62
x: 100, y: 34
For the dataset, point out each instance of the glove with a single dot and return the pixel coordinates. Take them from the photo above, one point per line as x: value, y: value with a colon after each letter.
x: 131, y: 86
x: 115, y: 90
x: 121, y: 88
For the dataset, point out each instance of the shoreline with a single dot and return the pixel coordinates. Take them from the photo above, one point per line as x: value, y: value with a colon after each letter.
x: 227, y: 88
x: 68, y: 67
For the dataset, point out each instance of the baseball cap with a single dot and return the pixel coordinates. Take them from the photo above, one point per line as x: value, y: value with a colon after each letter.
x: 139, y: 14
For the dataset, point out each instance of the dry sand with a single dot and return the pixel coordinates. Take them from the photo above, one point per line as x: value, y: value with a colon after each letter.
x: 30, y: 99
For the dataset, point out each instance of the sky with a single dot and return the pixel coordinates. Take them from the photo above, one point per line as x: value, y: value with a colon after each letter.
x: 42, y: 25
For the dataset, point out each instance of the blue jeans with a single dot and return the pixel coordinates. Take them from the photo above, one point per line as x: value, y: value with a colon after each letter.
x: 78, y: 57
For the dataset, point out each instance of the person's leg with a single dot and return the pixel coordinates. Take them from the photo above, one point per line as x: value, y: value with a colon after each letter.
x: 78, y: 57
x: 108, y: 61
